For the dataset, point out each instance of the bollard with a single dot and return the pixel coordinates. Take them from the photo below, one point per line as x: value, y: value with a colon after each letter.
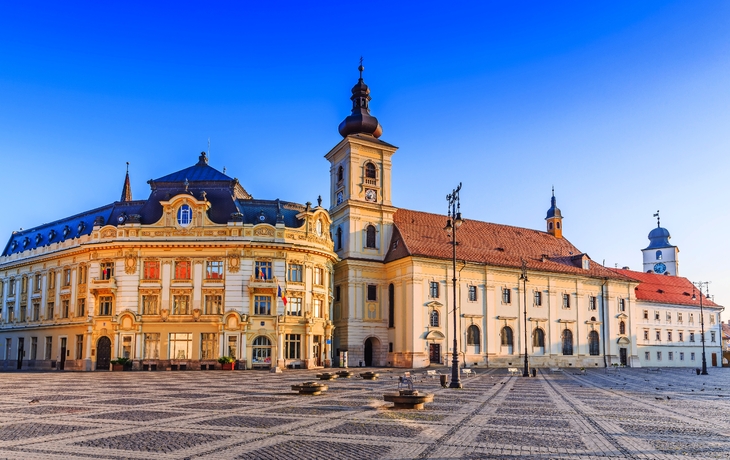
x: 698, y: 371
x: 443, y: 380
x: 533, y: 371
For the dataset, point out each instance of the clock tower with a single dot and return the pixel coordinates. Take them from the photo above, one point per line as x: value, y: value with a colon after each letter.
x: 362, y: 224
x: 660, y: 257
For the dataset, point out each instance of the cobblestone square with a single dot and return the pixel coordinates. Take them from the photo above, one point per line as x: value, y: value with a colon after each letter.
x: 631, y: 413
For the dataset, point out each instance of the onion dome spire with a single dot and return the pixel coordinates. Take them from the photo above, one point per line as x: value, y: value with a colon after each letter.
x: 360, y: 121
x: 659, y: 237
x: 554, y: 218
x: 127, y: 189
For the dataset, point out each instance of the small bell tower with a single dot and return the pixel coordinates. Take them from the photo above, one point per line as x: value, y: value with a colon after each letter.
x: 554, y: 219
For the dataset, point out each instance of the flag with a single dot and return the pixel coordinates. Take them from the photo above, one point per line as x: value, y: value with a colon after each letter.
x: 283, y: 297
x: 262, y: 273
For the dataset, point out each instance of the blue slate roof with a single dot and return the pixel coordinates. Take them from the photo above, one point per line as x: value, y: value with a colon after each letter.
x: 199, y: 172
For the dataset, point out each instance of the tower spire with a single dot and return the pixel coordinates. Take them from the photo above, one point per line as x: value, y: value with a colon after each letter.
x: 360, y: 121
x: 554, y: 218
x: 127, y: 189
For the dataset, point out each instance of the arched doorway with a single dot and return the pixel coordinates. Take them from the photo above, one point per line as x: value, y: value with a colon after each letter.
x: 369, y: 352
x: 103, y: 354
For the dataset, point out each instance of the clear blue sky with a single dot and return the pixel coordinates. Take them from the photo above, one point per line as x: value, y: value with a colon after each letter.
x: 623, y: 106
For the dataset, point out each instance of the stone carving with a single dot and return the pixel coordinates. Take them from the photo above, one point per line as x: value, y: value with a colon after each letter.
x: 108, y: 233
x: 263, y: 231
x: 130, y: 263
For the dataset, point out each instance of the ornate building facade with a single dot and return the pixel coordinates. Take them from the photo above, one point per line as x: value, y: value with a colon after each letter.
x: 198, y: 270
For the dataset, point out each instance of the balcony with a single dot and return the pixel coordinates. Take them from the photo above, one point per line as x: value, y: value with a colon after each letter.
x: 261, y: 284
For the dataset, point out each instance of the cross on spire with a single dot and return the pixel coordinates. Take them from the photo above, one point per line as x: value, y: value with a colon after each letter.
x: 657, y: 218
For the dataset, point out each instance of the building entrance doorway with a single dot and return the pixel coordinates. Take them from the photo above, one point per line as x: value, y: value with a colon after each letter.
x: 62, y: 363
x: 714, y: 359
x: 317, y: 350
x: 622, y: 356
x: 434, y: 353
x: 103, y: 354
x: 369, y: 352
x: 21, y: 352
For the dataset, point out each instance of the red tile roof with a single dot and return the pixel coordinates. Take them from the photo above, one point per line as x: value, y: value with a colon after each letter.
x: 422, y: 234
x: 665, y: 289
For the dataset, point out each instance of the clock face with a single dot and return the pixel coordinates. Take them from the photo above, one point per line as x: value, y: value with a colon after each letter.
x: 660, y: 268
x: 339, y: 197
x: 371, y: 195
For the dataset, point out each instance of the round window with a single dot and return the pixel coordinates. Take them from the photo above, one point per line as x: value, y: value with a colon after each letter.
x: 184, y: 215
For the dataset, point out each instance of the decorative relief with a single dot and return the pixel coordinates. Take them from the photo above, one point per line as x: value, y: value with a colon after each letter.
x: 234, y: 262
x: 247, y: 232
x: 263, y: 231
x: 164, y: 313
x: 130, y: 263
x: 196, y: 314
x: 108, y: 233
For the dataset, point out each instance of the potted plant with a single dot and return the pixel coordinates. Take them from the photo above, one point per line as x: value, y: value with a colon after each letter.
x: 227, y: 362
x: 119, y: 364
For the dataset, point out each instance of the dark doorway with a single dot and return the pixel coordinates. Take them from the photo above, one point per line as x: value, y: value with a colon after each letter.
x: 714, y: 359
x: 21, y: 352
x: 434, y: 353
x: 369, y: 352
x: 103, y: 354
x: 622, y: 356
x: 62, y: 364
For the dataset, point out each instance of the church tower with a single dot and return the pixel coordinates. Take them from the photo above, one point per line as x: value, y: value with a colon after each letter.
x: 362, y: 224
x: 660, y: 257
x: 554, y: 219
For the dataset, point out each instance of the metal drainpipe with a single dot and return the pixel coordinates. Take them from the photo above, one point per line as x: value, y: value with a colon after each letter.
x: 604, y: 302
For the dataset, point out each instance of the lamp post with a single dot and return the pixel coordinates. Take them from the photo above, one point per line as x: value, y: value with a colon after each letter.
x: 699, y: 285
x: 523, y: 277
x: 452, y: 223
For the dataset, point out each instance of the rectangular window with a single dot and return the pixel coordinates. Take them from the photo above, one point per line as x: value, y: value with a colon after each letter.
x: 433, y: 289
x: 658, y: 336
x: 11, y: 288
x: 8, y: 343
x: 681, y: 356
x: 317, y: 306
x: 372, y: 293
x: 213, y: 304
x: 183, y: 270
x: 150, y: 305
x: 294, y: 306
x: 656, y: 316
x: 82, y: 273
x: 51, y: 281
x: 24, y: 285
x: 49, y: 348
x: 23, y: 313
x: 80, y: 346
x: 11, y: 313
x: 669, y: 336
x: 692, y: 356
x: 49, y: 310
x: 214, y: 270
x: 592, y: 303
x: 647, y: 355
x: 80, y: 308
x: 263, y: 270
x: 37, y: 282
x: 669, y: 317
x: 712, y: 318
x: 691, y: 318
x: 33, y: 348
x: 292, y: 346
x: 646, y: 314
x: 691, y: 336
x: 181, y: 346
x: 566, y: 300
x: 106, y: 270
x: 621, y: 304
x: 337, y: 294
x: 646, y: 334
x: 65, y: 307
x: 295, y: 273
x: 472, y: 294
x: 670, y: 355
x: 318, y: 276
x: 151, y: 270
x: 152, y: 346
x: 681, y: 336
x: 262, y: 305
x: 712, y: 336
x: 105, y: 305
x: 181, y: 305
x: 679, y: 317
x: 658, y: 355
x: 208, y: 344
x: 36, y: 311
x: 506, y: 295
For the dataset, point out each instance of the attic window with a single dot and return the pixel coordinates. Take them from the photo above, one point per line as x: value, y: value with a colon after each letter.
x: 660, y: 291
x: 500, y: 249
x: 184, y: 215
x: 395, y: 244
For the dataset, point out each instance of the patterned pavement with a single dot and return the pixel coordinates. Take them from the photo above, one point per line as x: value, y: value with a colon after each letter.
x: 632, y: 413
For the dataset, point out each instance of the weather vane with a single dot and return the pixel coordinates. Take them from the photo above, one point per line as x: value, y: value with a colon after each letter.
x: 657, y: 218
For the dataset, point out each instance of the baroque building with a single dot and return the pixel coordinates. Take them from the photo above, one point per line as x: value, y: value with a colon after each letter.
x: 198, y: 270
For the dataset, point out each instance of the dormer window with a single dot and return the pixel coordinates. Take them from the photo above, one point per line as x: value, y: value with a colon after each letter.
x: 184, y: 215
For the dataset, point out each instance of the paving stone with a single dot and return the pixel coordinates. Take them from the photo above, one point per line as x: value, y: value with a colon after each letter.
x: 247, y: 421
x: 317, y: 450
x: 35, y: 430
x: 152, y: 441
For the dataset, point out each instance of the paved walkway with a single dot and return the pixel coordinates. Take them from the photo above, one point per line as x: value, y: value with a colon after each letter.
x: 254, y: 415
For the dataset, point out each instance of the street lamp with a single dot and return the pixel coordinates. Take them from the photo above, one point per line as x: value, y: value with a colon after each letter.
x: 523, y: 277
x: 455, y: 216
x: 699, y: 285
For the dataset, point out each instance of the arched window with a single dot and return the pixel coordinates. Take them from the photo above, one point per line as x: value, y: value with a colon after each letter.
x: 550, y: 225
x: 261, y: 350
x: 434, y: 319
x: 557, y: 224
x: 338, y: 242
x: 391, y: 305
x: 506, y: 336
x: 370, y: 240
x: 593, y: 343
x: 622, y: 328
x: 472, y: 335
x: 340, y: 173
x: 567, y: 338
x: 538, y: 338
x: 659, y: 255
x: 370, y: 170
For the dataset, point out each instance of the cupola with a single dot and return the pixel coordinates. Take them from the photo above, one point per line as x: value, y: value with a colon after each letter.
x: 554, y: 219
x: 360, y: 121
